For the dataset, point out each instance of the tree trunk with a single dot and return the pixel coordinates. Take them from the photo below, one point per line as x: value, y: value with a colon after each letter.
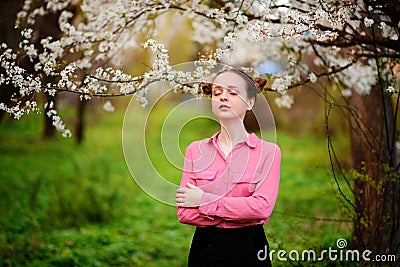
x: 11, y: 36
x: 80, y: 124
x: 376, y: 226
x: 48, y: 26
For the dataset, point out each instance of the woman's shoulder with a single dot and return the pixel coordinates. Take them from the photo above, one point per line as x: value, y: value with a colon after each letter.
x: 198, y: 143
x: 254, y: 139
x: 270, y: 146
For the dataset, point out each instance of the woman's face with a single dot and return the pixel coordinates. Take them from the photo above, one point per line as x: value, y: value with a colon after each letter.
x: 229, y: 96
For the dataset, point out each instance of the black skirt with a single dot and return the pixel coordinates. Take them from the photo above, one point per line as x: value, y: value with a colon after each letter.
x: 219, y: 247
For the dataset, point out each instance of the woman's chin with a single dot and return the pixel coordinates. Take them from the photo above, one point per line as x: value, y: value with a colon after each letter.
x: 226, y: 116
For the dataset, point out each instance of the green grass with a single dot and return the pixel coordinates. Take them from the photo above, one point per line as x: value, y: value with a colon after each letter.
x: 67, y: 205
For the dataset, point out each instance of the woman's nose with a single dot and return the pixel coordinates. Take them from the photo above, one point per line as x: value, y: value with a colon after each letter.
x: 223, y: 96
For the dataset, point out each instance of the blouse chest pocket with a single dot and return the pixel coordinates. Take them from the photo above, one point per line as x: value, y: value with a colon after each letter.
x: 203, y: 177
x: 245, y: 182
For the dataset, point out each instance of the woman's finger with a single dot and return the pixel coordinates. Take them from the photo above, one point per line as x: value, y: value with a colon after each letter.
x: 181, y: 195
x: 181, y: 190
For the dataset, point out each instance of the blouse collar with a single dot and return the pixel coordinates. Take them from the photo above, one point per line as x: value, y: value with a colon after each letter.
x: 251, y: 140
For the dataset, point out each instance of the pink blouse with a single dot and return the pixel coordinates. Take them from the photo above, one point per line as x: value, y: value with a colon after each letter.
x: 240, y: 189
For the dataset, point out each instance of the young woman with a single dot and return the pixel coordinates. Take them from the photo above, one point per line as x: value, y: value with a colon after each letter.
x: 230, y: 182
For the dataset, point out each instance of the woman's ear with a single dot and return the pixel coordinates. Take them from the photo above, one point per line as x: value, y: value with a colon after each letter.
x: 250, y: 103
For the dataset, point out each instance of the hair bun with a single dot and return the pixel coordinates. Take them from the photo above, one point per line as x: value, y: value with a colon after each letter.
x: 206, y: 88
x: 260, y: 82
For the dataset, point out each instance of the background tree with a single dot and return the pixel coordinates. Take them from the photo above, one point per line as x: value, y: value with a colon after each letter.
x: 352, y: 44
x: 11, y: 36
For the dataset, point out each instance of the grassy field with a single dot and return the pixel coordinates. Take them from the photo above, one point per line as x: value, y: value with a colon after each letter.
x: 67, y: 205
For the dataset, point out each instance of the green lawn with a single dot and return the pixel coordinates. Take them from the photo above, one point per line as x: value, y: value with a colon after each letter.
x: 67, y: 205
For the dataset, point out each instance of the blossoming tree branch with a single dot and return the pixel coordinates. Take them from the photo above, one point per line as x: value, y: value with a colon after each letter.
x: 349, y: 49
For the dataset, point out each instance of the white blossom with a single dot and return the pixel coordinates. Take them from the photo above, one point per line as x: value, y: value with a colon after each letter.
x: 347, y: 92
x: 230, y: 38
x: 368, y: 22
x: 58, y: 123
x: 358, y: 76
x: 27, y: 33
x: 313, y: 78
x: 108, y: 106
x: 284, y: 101
x: 244, y: 35
x: 281, y: 84
x: 390, y: 90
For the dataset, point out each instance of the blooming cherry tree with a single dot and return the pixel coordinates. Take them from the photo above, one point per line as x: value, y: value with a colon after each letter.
x: 352, y: 45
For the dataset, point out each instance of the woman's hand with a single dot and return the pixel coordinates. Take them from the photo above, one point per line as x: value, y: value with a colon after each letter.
x: 188, y: 197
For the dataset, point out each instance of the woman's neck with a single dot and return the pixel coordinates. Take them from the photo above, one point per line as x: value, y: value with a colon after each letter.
x: 232, y: 132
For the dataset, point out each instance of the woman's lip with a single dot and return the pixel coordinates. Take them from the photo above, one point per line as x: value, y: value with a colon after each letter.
x: 224, y: 106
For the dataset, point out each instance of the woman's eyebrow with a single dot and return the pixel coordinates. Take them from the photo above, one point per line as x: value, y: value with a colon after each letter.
x: 226, y: 86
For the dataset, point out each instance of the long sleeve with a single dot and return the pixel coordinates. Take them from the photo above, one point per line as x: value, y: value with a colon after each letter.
x: 257, y: 207
x: 192, y: 215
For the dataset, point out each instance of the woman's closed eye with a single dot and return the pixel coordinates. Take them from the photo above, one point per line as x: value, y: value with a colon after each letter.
x: 219, y: 92
x: 216, y: 92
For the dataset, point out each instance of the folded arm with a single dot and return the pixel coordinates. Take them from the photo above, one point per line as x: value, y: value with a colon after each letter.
x: 256, y: 207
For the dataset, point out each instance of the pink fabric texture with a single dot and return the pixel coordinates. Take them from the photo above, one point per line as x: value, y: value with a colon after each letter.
x: 240, y: 188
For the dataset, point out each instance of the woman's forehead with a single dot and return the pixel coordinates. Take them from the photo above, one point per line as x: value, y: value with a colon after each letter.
x: 230, y: 80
